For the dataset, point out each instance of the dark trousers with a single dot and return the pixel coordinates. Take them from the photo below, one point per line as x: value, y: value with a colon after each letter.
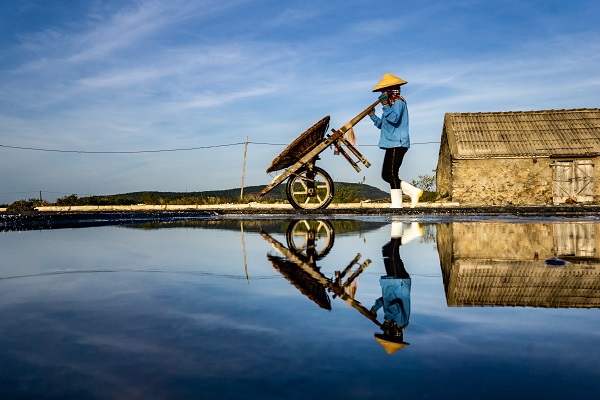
x: 390, y: 172
x: 394, y: 266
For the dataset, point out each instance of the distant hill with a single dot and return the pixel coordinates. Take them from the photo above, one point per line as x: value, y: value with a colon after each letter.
x: 364, y: 192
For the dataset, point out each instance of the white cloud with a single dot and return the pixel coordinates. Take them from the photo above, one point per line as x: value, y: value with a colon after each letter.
x: 151, y: 75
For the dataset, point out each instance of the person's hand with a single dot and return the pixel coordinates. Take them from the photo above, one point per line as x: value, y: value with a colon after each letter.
x: 372, y: 112
x: 383, y: 98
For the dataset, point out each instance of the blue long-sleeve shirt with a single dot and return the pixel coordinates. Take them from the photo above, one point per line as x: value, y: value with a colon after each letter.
x: 394, y: 126
x: 395, y: 300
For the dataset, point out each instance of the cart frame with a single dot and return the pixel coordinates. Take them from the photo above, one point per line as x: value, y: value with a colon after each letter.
x: 304, y: 169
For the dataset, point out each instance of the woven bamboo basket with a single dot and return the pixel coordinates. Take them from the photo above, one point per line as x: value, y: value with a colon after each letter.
x: 299, y: 147
x: 308, y: 285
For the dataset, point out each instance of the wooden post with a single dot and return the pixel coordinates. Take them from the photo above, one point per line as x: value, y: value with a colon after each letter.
x: 244, y: 169
x: 244, y: 250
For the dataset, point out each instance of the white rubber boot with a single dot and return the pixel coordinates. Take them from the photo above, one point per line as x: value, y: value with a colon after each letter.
x: 413, y: 192
x: 396, y: 230
x: 396, y: 195
x: 413, y: 232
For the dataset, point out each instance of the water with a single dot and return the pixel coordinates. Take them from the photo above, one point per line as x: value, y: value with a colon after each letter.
x: 280, y: 309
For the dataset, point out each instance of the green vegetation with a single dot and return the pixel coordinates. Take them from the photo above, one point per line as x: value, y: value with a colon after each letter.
x: 73, y: 200
x: 24, y: 206
x: 344, y: 193
x: 347, y: 194
x: 341, y: 226
x: 357, y: 192
x: 427, y: 183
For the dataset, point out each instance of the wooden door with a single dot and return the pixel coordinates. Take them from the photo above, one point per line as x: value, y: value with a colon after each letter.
x: 575, y: 240
x: 573, y: 179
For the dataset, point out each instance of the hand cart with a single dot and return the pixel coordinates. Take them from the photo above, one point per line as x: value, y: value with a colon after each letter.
x: 310, y: 280
x: 308, y: 186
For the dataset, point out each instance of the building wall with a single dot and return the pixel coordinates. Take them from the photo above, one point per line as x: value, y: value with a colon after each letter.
x: 443, y: 175
x: 498, y: 181
x: 596, y: 161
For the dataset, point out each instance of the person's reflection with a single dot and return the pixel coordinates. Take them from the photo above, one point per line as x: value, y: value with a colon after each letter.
x: 395, y: 289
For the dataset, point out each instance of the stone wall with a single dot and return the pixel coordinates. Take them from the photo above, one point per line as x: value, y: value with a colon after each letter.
x: 498, y: 181
x: 443, y: 173
x: 505, y: 241
x: 501, y: 181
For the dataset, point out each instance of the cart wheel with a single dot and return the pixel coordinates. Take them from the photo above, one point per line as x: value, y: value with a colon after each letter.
x: 311, y: 239
x: 310, y: 189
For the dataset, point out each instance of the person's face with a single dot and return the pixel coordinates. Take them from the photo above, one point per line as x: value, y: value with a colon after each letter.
x: 393, y: 94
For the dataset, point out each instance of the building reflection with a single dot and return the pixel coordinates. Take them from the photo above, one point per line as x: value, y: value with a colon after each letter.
x: 309, y: 241
x: 553, y: 265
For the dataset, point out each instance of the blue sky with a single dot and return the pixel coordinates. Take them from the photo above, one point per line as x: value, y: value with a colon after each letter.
x: 110, y: 83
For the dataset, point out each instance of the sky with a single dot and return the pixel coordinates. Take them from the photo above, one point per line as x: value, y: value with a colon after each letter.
x: 109, y: 97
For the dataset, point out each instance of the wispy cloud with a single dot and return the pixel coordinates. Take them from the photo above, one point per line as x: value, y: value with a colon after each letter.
x: 172, y: 74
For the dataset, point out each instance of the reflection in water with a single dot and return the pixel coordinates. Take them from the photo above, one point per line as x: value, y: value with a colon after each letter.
x: 311, y: 240
x: 162, y: 310
x: 301, y: 270
x: 395, y: 289
x: 532, y: 265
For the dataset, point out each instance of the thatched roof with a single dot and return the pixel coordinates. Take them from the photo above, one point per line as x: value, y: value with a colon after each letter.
x: 523, y: 283
x: 519, y: 134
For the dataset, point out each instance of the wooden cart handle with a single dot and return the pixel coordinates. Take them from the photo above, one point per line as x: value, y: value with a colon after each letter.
x: 359, y: 117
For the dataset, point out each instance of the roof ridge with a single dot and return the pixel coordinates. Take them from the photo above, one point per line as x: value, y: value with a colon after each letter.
x: 524, y: 111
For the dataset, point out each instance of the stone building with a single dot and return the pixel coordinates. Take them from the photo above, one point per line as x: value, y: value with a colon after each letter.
x: 500, y: 264
x: 520, y: 158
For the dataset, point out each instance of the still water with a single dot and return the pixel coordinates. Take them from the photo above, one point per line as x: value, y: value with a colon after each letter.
x: 283, y: 309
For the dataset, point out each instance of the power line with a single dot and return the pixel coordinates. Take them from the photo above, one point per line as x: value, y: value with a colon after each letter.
x: 48, y: 192
x: 269, y: 144
x: 120, y: 152
x: 166, y: 150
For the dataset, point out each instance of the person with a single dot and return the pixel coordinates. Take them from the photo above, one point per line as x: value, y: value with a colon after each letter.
x: 395, y: 289
x: 395, y: 299
x: 394, y: 138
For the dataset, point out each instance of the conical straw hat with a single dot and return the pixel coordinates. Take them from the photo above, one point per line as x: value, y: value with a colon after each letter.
x: 387, y: 81
x: 389, y: 346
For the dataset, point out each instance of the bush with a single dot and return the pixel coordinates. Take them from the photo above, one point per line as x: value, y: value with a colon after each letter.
x: 151, y: 198
x: 73, y: 200
x: 21, y: 206
x: 425, y: 182
x: 67, y: 200
x: 24, y: 206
